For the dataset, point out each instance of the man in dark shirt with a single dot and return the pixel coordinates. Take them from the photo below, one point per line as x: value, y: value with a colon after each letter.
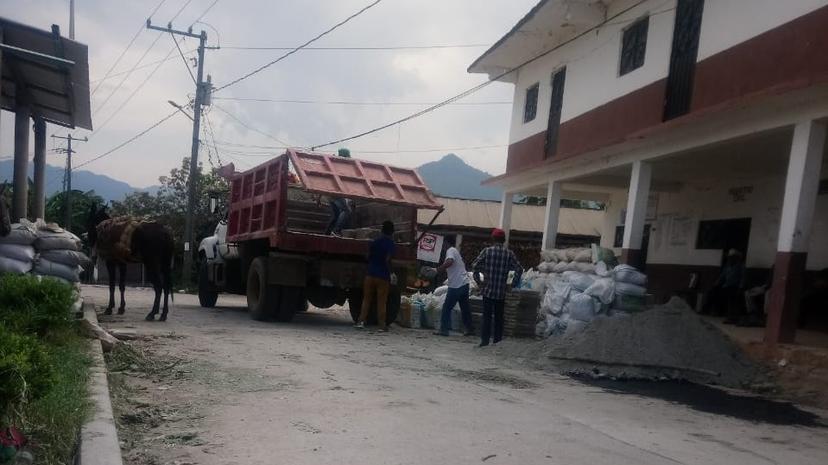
x: 378, y: 279
x: 495, y: 262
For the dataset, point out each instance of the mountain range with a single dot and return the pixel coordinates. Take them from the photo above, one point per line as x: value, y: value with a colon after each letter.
x: 450, y: 177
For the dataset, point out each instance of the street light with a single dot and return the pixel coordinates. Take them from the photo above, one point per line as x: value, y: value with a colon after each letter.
x: 181, y: 109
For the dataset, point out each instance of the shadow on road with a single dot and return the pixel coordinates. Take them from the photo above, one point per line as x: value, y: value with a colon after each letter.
x: 712, y: 400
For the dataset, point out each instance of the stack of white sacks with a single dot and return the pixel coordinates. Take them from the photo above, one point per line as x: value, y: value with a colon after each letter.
x: 427, y: 308
x: 577, y: 289
x: 42, y: 249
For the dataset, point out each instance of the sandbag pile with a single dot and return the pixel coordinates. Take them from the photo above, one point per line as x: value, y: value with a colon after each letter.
x: 42, y: 249
x: 579, y: 283
x: 17, y: 251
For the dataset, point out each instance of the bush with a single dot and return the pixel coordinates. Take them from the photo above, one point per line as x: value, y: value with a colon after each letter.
x: 29, y: 305
x: 26, y: 371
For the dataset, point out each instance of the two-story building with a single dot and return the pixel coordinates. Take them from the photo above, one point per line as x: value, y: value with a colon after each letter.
x: 701, y: 124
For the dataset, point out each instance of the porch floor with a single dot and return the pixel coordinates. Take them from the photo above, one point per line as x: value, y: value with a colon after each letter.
x: 745, y: 335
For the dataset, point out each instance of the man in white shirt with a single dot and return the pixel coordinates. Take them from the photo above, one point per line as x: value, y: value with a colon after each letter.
x: 458, y: 290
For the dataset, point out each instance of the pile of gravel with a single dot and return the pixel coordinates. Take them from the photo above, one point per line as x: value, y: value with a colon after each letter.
x: 665, y: 342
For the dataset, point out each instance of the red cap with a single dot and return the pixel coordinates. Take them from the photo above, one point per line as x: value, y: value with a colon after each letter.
x: 498, y: 233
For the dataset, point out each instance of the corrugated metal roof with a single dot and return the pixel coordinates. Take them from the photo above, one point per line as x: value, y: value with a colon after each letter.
x: 527, y: 218
x: 57, y: 90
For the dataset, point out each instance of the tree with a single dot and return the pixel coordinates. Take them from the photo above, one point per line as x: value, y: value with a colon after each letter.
x: 81, y: 204
x: 169, y: 204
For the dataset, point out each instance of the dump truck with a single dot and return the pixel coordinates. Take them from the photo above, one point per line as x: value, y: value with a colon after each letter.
x: 272, y: 245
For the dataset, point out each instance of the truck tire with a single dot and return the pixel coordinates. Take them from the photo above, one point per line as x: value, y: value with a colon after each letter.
x: 291, y: 301
x: 355, y: 303
x: 392, y: 307
x: 262, y: 298
x: 323, y: 297
x: 207, y: 293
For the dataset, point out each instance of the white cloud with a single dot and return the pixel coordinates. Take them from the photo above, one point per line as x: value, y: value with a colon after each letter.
x: 431, y: 75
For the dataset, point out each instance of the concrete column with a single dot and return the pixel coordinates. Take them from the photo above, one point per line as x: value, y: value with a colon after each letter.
x: 506, y: 213
x: 21, y: 163
x: 636, y: 213
x: 801, y: 188
x: 553, y: 209
x: 39, y: 198
x: 458, y: 241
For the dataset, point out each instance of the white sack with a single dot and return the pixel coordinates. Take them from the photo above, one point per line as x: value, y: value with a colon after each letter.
x: 23, y: 253
x: 629, y: 289
x: 10, y: 265
x: 579, y: 281
x: 602, y: 289
x: 581, y: 307
x: 628, y: 274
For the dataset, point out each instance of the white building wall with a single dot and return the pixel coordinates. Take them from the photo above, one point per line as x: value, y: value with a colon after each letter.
x: 711, y: 201
x: 592, y: 60
x: 726, y: 23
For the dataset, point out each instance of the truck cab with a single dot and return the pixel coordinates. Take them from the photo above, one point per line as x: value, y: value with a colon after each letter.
x: 274, y: 249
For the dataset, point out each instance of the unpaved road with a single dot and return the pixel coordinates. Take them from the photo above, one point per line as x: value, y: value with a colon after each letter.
x: 219, y: 388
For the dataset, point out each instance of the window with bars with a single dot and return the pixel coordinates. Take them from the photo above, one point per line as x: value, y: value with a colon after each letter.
x: 634, y: 46
x: 530, y: 108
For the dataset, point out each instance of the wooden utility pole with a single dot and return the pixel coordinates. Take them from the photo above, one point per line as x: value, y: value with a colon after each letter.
x: 202, y: 91
x: 67, y: 219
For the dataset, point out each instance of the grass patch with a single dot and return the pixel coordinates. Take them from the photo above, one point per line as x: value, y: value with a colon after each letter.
x: 44, y: 366
x: 53, y: 420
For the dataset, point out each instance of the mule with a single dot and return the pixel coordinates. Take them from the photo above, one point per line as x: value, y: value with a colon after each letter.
x: 122, y: 240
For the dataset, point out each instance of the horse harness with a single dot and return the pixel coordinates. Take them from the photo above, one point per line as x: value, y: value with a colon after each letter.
x: 115, y: 237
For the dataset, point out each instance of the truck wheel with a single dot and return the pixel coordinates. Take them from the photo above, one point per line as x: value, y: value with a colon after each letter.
x: 323, y: 297
x: 207, y: 293
x: 291, y: 301
x: 392, y: 308
x: 262, y: 299
x: 355, y: 303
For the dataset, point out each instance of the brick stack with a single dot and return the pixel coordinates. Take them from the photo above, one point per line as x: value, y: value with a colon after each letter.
x: 520, y: 313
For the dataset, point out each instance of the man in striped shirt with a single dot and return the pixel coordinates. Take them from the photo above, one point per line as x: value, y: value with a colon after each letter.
x: 495, y: 262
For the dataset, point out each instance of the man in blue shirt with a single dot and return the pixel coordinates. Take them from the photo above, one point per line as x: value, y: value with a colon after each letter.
x: 378, y: 279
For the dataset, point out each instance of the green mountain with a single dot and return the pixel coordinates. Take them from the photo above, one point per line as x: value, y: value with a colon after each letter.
x: 452, y: 177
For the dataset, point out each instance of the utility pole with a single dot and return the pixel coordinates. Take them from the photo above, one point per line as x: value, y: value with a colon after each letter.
x: 72, y: 19
x: 67, y: 219
x: 201, y: 93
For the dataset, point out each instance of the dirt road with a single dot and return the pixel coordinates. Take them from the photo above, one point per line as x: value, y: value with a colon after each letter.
x: 215, y: 387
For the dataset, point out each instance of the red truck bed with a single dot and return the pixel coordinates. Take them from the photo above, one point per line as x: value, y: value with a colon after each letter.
x: 259, y: 199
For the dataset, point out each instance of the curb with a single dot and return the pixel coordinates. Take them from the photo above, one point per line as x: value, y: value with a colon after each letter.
x: 99, y: 437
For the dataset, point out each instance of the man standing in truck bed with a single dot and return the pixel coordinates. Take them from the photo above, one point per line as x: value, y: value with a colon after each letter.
x: 495, y: 262
x: 378, y: 279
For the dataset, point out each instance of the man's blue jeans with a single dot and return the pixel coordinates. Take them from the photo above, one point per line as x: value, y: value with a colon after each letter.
x: 492, y: 308
x: 453, y: 297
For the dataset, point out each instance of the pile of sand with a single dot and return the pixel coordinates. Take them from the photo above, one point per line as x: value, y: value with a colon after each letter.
x: 666, y: 342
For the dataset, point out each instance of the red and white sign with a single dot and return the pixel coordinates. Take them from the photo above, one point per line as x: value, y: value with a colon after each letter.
x: 430, y: 247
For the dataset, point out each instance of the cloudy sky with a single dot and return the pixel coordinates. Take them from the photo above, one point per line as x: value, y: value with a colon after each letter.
x: 128, y: 103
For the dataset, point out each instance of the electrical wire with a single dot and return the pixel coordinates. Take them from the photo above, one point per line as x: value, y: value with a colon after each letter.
x: 128, y: 141
x: 137, y: 63
x: 186, y: 65
x: 362, y: 48
x: 237, y: 149
x: 482, y: 85
x: 294, y: 50
x: 238, y: 120
x: 355, y: 103
x: 108, y: 73
x: 147, y: 65
x: 212, y: 136
x: 134, y: 93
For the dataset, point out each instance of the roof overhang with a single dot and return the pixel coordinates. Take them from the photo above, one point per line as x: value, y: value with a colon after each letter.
x: 549, y: 24
x: 45, y: 71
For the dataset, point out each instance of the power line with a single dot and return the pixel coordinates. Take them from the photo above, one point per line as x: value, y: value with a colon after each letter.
x: 133, y: 94
x: 186, y: 65
x: 157, y: 67
x: 137, y: 63
x: 235, y: 148
x: 212, y: 136
x: 294, y: 50
x: 123, y: 53
x: 248, y: 126
x: 129, y: 141
x: 355, y: 103
x: 147, y: 65
x: 479, y: 86
x: 362, y: 48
